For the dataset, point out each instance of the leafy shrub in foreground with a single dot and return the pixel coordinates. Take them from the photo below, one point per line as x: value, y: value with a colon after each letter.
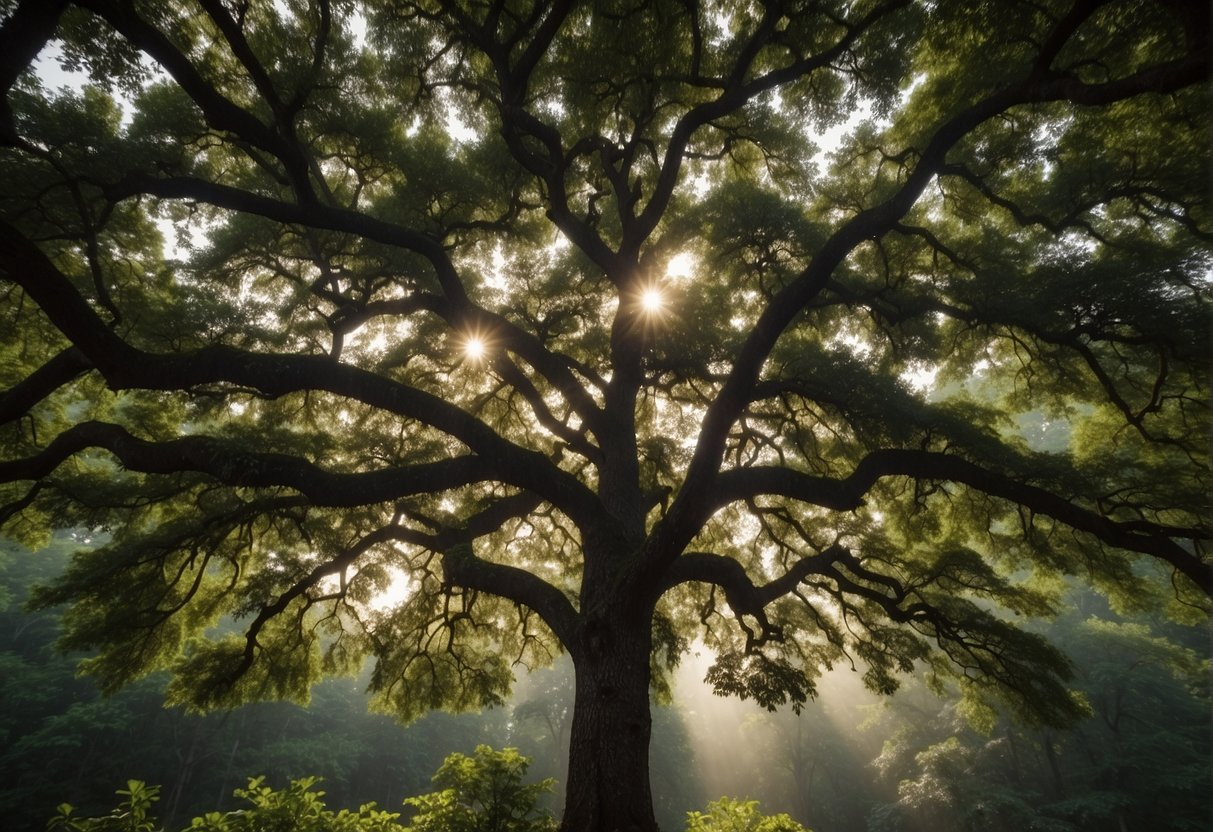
x: 481, y: 793
x: 297, y: 808
x: 731, y: 815
x: 131, y: 815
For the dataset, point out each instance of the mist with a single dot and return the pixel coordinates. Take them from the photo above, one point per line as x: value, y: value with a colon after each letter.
x: 851, y: 761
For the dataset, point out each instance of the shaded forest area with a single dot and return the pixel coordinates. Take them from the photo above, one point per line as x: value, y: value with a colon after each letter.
x: 850, y: 762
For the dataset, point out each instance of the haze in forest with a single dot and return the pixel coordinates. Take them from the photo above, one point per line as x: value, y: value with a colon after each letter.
x: 850, y: 762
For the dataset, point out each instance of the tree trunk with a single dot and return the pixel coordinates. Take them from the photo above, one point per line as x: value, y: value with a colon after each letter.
x: 608, y: 777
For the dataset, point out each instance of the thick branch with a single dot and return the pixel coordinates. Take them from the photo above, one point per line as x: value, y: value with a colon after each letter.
x: 743, y: 595
x: 1155, y: 540
x: 456, y: 306
x: 220, y: 112
x: 463, y: 568
x: 22, y: 37
x: 240, y: 47
x: 483, y: 522
x: 126, y: 367
x: 679, y: 525
x: 235, y: 466
x: 17, y: 400
x: 311, y: 215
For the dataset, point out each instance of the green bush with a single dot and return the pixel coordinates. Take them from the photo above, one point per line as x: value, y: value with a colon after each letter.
x: 730, y: 815
x: 297, y: 808
x: 131, y: 815
x: 481, y: 793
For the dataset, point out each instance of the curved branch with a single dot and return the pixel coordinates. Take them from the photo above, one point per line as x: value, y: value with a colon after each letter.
x: 1078, y: 338
x: 740, y: 484
x: 126, y: 367
x: 1151, y: 539
x: 1040, y: 84
x: 332, y: 566
x: 221, y: 113
x: 743, y: 595
x: 575, y: 439
x: 17, y: 400
x: 1022, y: 663
x: 239, y: 45
x: 484, y: 522
x: 24, y: 33
x: 969, y: 636
x: 237, y: 467
x: 735, y: 96
x: 462, y: 567
x: 453, y: 308
x: 312, y: 215
x: 552, y: 20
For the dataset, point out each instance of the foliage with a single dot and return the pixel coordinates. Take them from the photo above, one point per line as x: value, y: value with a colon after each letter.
x: 297, y: 808
x: 62, y: 740
x: 730, y: 815
x: 1143, y: 759
x: 1145, y: 676
x: 416, y: 384
x: 482, y: 793
x: 131, y: 815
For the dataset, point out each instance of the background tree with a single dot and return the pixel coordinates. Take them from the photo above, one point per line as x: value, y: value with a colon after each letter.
x: 422, y: 337
x: 1142, y: 758
x: 62, y: 741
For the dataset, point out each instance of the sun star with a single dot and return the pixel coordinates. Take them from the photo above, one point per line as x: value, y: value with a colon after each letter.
x: 651, y: 300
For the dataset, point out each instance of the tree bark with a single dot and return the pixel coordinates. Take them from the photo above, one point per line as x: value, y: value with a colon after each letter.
x: 608, y: 787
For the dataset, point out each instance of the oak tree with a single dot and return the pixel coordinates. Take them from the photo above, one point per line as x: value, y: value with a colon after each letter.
x: 453, y: 334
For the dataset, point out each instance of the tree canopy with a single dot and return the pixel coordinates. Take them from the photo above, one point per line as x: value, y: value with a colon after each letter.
x: 452, y: 335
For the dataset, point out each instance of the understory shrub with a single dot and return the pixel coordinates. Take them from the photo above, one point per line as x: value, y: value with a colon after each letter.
x: 484, y: 792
